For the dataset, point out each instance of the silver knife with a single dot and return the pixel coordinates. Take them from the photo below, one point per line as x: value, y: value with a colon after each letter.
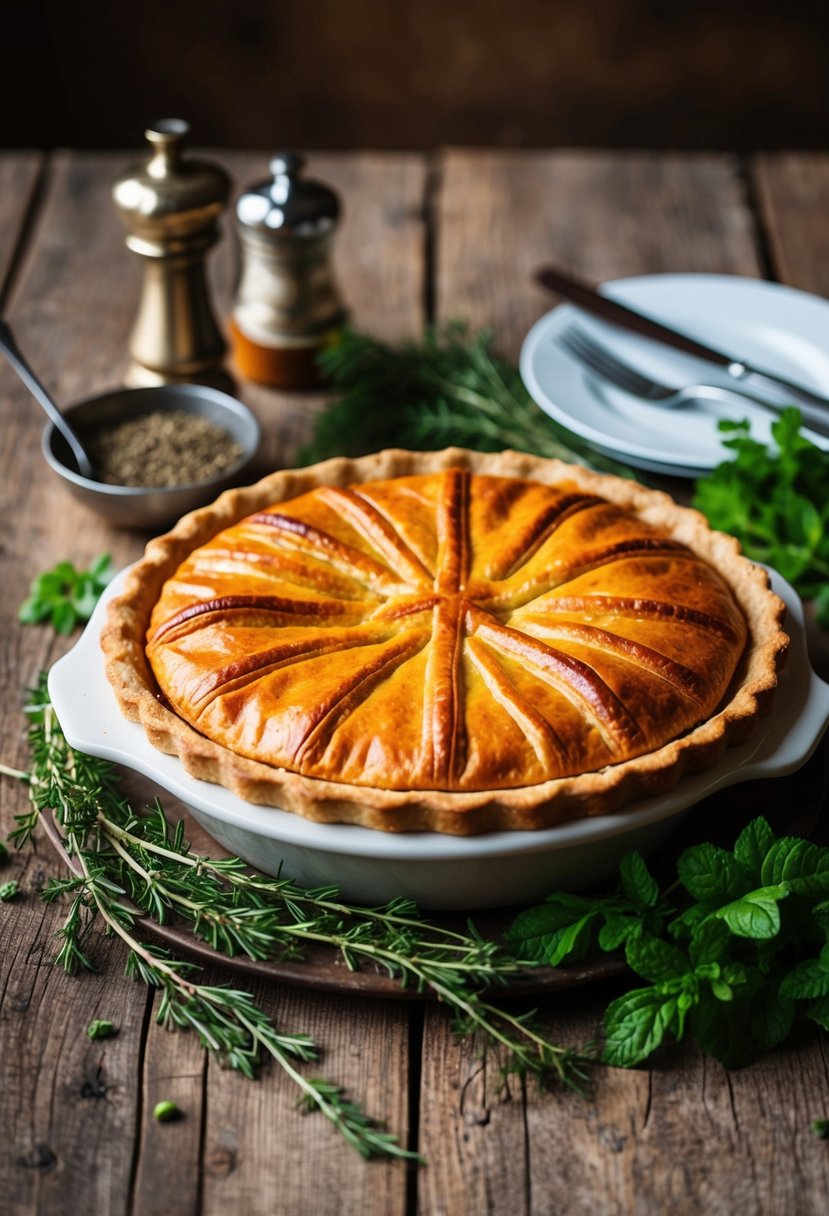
x: 740, y: 374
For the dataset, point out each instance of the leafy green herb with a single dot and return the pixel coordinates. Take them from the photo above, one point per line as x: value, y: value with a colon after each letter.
x: 101, y: 1029
x: 65, y: 595
x: 446, y: 389
x: 739, y: 951
x: 133, y: 865
x: 8, y: 891
x: 4, y: 854
x: 166, y: 1112
x: 774, y: 500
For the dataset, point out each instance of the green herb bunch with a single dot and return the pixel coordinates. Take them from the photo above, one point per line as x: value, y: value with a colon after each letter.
x: 448, y: 388
x: 775, y: 500
x: 732, y: 952
x: 133, y: 865
x: 64, y: 595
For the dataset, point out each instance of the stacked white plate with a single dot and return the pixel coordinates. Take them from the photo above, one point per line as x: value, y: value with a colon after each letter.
x: 779, y: 329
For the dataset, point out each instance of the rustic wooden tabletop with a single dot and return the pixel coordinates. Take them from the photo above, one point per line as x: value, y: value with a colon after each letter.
x: 426, y: 238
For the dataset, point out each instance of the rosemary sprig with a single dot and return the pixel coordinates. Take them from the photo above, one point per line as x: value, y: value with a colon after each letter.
x: 132, y: 865
x: 448, y: 388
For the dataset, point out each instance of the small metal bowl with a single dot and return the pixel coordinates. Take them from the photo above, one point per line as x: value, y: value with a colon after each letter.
x: 151, y: 507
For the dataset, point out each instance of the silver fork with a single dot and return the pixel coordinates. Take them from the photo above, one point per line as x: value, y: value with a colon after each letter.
x: 613, y: 369
x: 616, y: 371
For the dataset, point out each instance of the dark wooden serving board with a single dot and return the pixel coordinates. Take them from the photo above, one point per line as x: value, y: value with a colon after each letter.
x: 793, y: 805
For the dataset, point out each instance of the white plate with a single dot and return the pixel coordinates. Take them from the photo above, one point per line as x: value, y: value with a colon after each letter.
x: 437, y: 871
x: 778, y: 328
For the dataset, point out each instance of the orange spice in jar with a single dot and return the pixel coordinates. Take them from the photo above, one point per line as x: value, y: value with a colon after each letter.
x: 287, y: 305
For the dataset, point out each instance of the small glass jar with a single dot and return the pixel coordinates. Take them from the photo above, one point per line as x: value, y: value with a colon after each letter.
x: 287, y: 306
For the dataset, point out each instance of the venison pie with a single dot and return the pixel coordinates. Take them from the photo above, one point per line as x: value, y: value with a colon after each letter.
x: 450, y: 641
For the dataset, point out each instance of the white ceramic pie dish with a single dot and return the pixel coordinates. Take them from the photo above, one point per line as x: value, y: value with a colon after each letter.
x: 438, y: 871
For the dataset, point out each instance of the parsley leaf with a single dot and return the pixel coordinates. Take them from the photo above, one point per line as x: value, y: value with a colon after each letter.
x: 774, y: 501
x: 64, y: 595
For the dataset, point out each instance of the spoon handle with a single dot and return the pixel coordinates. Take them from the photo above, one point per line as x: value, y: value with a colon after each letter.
x: 9, y: 347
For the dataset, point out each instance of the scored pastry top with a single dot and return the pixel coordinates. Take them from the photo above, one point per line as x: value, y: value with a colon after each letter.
x: 444, y: 631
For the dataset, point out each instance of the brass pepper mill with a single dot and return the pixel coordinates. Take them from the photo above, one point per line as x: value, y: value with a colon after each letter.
x: 170, y: 207
x: 287, y: 305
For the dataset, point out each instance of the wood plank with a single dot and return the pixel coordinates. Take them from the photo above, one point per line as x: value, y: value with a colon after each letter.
x: 262, y: 1157
x: 601, y: 216
x: 67, y: 1105
x: 20, y: 173
x: 792, y: 190
x: 503, y: 214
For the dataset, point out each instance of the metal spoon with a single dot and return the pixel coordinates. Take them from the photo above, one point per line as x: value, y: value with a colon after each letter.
x: 9, y: 347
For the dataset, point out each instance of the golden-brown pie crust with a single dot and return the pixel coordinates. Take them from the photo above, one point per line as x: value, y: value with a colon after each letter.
x: 593, y: 625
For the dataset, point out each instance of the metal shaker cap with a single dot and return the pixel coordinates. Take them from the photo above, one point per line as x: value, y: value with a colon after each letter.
x: 288, y: 204
x: 170, y: 195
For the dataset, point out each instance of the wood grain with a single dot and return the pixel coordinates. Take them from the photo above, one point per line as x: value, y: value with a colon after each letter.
x: 500, y: 215
x: 793, y: 198
x: 262, y: 1157
x: 69, y: 1106
x: 792, y: 193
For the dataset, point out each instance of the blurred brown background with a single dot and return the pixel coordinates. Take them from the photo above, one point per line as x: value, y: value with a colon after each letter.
x: 419, y: 73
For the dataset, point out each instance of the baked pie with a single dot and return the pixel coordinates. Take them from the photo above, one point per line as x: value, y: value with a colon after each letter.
x: 454, y: 641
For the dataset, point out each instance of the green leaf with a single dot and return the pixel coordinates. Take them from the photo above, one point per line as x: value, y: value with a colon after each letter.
x: 818, y: 1011
x: 753, y: 844
x: 771, y: 1016
x: 32, y: 610
x: 617, y: 929
x: 65, y: 595
x: 637, y: 881
x: 809, y: 979
x: 635, y: 1025
x: 63, y: 617
x: 711, y: 874
x: 553, y: 930
x: 718, y: 1028
x: 710, y: 942
x: 755, y: 914
x: 799, y: 863
x: 655, y: 960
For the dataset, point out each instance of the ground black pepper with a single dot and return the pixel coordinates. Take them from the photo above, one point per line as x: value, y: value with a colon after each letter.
x: 161, y: 449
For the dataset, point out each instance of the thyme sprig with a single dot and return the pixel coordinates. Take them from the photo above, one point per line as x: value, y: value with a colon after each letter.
x: 131, y: 865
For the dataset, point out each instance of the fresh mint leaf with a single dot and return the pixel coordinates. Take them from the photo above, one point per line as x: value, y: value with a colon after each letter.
x: 803, y: 866
x: 718, y: 1028
x: 617, y: 929
x: 818, y: 1011
x: 809, y: 979
x: 637, y: 881
x: 753, y: 844
x: 771, y: 1016
x: 635, y: 1025
x: 711, y: 874
x: 755, y: 914
x: 710, y: 942
x: 553, y: 930
x: 656, y: 960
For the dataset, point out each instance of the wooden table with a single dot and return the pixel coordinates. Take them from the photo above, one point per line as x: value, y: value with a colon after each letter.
x: 426, y: 238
